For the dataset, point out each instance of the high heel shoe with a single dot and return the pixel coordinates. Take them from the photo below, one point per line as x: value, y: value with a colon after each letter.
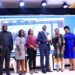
x: 62, y: 70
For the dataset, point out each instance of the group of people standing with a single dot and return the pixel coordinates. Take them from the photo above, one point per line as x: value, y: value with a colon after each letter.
x: 64, y: 47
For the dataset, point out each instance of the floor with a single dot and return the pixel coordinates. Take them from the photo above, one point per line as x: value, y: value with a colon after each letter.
x: 66, y: 72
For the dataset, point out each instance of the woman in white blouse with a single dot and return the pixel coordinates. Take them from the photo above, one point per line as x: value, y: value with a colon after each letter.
x: 20, y: 52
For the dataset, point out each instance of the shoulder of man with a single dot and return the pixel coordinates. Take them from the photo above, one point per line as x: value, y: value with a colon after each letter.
x: 8, y: 32
x: 0, y: 32
x: 41, y: 32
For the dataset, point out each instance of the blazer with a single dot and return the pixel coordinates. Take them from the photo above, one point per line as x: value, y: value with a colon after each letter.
x: 41, y: 41
x: 10, y: 46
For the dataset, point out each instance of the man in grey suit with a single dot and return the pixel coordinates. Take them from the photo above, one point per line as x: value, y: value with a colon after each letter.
x: 6, y: 45
x: 44, y: 46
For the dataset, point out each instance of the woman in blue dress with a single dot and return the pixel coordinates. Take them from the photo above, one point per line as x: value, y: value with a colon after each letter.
x: 69, y: 52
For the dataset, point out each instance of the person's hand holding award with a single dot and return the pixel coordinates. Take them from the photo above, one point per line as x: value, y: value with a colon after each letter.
x: 48, y: 38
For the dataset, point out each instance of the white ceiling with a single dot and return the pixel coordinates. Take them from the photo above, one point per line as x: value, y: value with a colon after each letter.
x: 59, y: 1
x: 32, y: 3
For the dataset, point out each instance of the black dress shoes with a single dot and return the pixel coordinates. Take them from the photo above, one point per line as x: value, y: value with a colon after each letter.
x: 44, y: 71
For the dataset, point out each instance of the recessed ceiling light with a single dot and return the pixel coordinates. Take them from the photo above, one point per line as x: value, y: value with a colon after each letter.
x: 21, y: 4
x: 44, y: 3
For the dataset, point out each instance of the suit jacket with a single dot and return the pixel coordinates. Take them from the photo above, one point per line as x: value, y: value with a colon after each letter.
x: 42, y: 41
x: 10, y: 46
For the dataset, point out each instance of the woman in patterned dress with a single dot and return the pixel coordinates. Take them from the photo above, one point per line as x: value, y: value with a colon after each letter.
x: 59, y: 43
x: 20, y: 51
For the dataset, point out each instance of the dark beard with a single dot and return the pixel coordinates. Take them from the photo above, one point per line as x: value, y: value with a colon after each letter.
x: 4, y: 30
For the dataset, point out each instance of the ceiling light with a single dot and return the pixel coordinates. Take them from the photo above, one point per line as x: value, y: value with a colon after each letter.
x: 44, y: 3
x: 21, y: 4
x: 65, y: 5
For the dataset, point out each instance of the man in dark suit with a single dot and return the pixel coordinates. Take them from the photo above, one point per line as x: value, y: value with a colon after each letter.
x: 6, y: 45
x: 44, y: 46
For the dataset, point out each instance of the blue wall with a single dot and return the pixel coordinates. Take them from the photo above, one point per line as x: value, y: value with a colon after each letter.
x: 68, y: 20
